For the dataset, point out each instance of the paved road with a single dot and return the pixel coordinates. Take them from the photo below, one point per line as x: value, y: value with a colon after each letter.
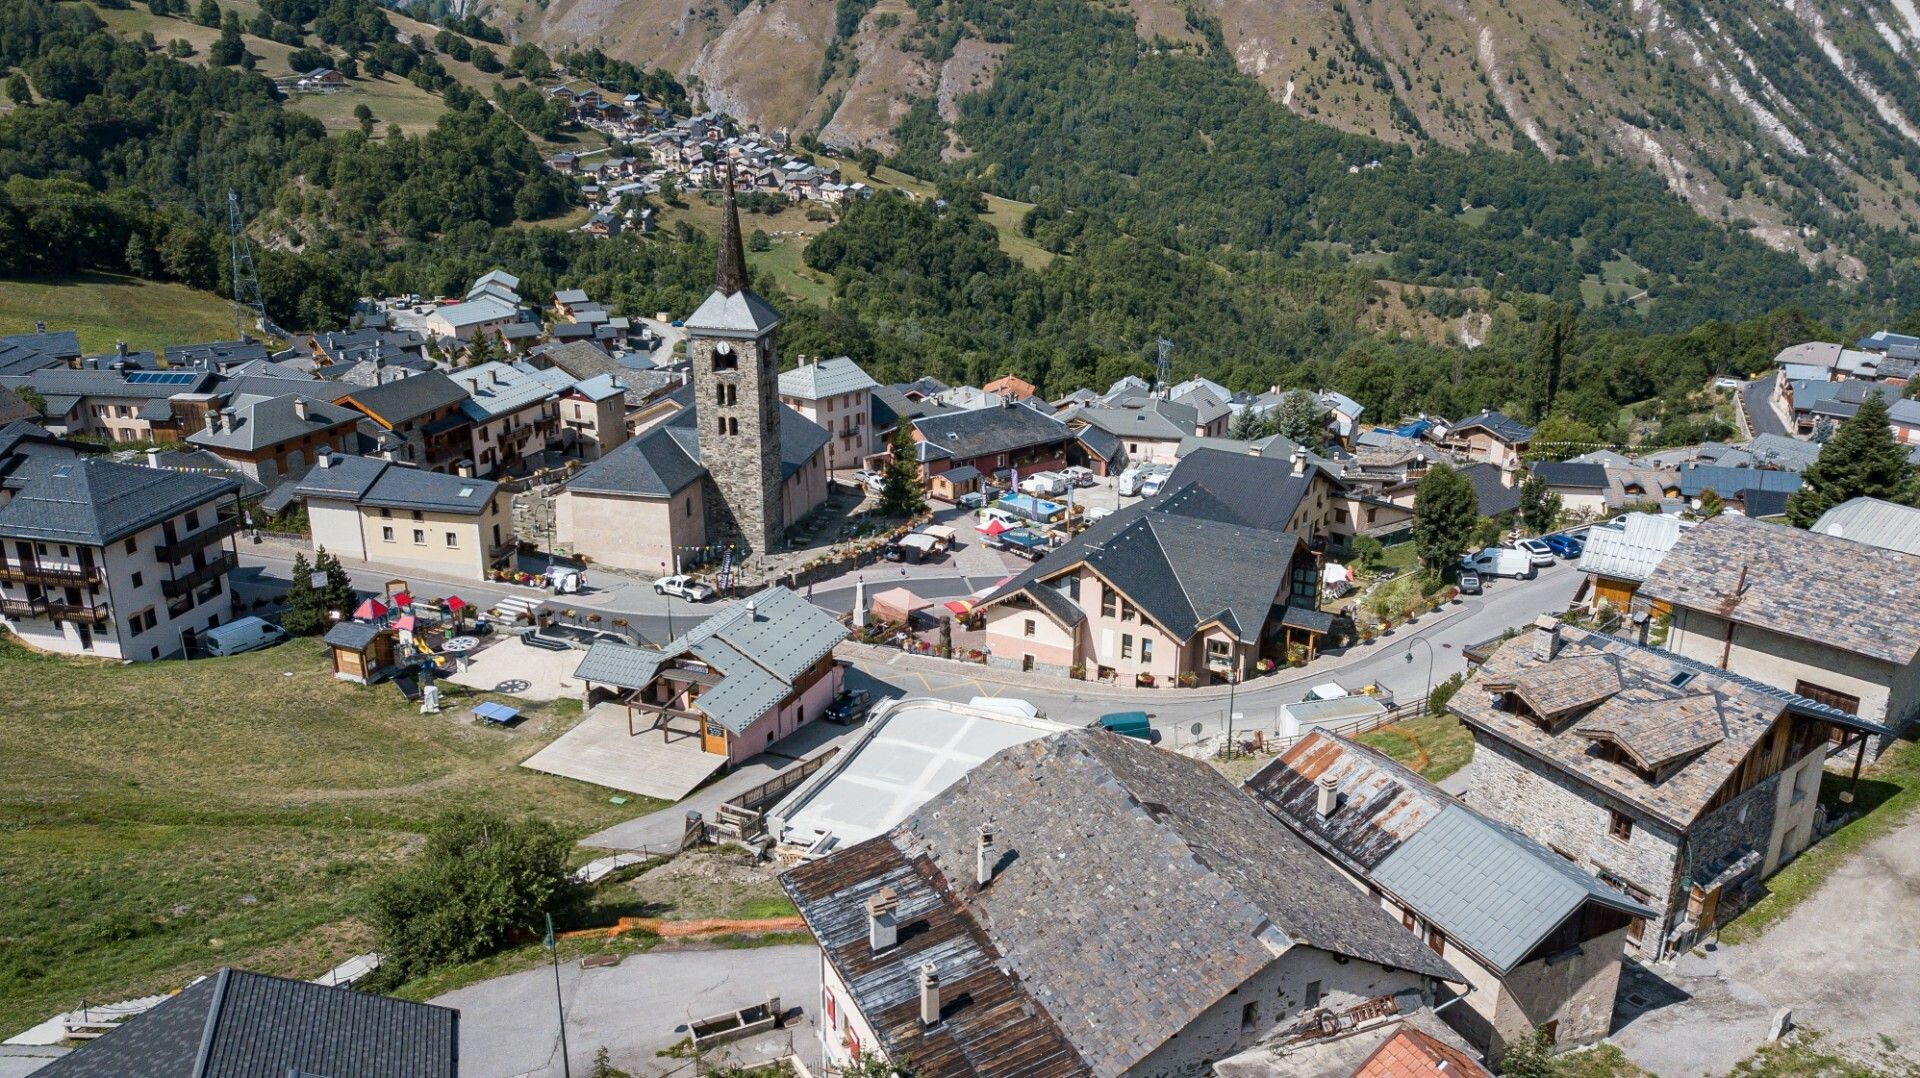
x: 1846, y: 961
x: 634, y: 1009
x: 1758, y: 408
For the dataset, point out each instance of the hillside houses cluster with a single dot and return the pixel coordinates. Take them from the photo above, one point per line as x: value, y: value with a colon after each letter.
x: 1817, y: 384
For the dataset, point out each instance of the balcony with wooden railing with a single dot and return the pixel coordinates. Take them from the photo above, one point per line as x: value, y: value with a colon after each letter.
x: 91, y: 613
x: 212, y: 570
x: 181, y: 549
x: 60, y: 576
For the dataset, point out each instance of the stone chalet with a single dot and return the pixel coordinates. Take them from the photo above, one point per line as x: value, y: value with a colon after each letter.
x: 1179, y: 585
x: 838, y: 396
x: 272, y: 437
x: 1489, y: 436
x: 1681, y: 785
x: 994, y: 440
x: 744, y: 678
x: 1825, y: 617
x: 1085, y: 904
x: 1539, y: 939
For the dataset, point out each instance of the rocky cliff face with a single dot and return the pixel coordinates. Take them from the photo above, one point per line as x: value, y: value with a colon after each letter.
x: 1754, y: 113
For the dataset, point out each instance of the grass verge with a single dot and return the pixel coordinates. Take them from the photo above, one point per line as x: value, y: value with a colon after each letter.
x: 1435, y: 746
x: 159, y: 820
x: 103, y: 309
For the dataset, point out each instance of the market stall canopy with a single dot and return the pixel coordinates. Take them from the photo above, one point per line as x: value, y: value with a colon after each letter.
x: 369, y: 610
x: 898, y: 604
x: 454, y: 602
x: 401, y: 598
x: 994, y: 527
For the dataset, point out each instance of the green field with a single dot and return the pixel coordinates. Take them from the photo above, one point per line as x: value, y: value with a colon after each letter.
x: 784, y: 262
x: 393, y: 100
x: 104, y: 309
x: 1433, y: 745
x: 159, y: 820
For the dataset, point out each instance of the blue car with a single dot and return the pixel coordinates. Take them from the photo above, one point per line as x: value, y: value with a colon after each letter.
x: 1565, y: 546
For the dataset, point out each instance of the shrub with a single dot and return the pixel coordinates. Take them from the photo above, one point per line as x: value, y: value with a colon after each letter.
x: 480, y: 881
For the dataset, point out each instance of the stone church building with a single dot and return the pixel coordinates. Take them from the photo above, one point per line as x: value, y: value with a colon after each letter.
x: 733, y: 469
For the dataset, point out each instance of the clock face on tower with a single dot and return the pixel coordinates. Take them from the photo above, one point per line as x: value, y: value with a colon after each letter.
x: 723, y: 348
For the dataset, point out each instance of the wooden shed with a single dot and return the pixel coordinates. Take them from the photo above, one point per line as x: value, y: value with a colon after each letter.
x: 359, y: 649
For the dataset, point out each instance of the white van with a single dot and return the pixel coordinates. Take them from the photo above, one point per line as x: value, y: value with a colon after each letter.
x: 1044, y: 485
x: 247, y: 634
x: 1130, y: 481
x: 1500, y: 561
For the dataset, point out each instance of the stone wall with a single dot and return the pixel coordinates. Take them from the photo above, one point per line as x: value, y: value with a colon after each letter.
x: 743, y: 463
x: 1574, y: 820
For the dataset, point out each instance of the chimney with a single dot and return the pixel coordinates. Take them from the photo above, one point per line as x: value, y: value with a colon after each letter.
x: 153, y: 458
x: 120, y: 349
x: 929, y: 995
x: 213, y: 421
x: 379, y: 357
x: 464, y: 469
x: 1299, y: 461
x: 883, y: 931
x: 1328, y: 794
x: 300, y: 409
x: 323, y: 459
x: 1546, y: 641
x: 616, y: 383
x: 39, y: 327
x: 983, y: 856
x: 1508, y: 476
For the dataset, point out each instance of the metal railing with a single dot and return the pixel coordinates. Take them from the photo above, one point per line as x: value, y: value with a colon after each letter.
x: 1250, y: 744
x: 775, y: 788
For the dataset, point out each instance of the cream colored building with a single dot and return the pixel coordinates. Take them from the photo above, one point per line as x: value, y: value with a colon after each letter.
x: 837, y: 395
x: 376, y: 511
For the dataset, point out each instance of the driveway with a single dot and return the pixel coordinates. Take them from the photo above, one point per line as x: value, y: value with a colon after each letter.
x: 1757, y: 404
x: 634, y: 1010
x: 1846, y: 962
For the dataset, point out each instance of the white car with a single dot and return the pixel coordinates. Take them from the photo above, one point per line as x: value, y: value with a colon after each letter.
x: 1538, y: 552
x: 873, y: 481
x: 1152, y: 486
x: 686, y: 587
x: 1079, y: 477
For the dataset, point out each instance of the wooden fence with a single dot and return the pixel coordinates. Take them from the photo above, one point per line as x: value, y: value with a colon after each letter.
x: 1256, y: 743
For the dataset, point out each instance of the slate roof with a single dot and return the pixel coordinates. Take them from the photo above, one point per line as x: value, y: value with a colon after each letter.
x: 1101, y: 444
x: 741, y: 314
x: 825, y: 378
x: 1207, y: 405
x: 1875, y: 522
x: 891, y: 404
x: 1780, y: 451
x: 357, y: 635
x: 1495, y: 496
x: 93, y: 502
x: 238, y: 1024
x: 1490, y: 888
x: 481, y: 307
x: 759, y: 646
x: 1157, y: 419
x: 406, y: 399
x: 619, y: 665
x: 71, y: 384
x: 984, y: 431
x: 1261, y: 492
x: 1847, y: 595
x: 1647, y: 709
x: 570, y: 296
x: 658, y: 464
x: 1226, y: 891
x: 217, y: 354
x: 23, y: 353
x: 497, y: 389
x: 1184, y: 558
x: 383, y: 484
x: 1494, y: 423
x: 261, y: 422
x: 13, y: 409
x: 1632, y: 549
x: 1572, y: 476
x: 1728, y: 482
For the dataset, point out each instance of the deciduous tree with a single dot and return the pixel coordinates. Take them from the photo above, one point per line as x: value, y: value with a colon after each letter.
x: 1445, y: 510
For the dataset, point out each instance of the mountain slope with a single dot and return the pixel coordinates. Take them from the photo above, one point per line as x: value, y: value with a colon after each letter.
x: 1799, y: 121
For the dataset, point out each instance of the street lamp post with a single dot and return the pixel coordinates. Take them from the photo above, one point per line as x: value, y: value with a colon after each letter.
x: 1429, y: 646
x: 1233, y: 688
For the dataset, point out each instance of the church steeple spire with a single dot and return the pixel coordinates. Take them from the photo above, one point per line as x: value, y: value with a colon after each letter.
x: 731, y: 277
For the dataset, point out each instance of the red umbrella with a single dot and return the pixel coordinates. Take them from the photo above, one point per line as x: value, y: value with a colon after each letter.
x: 401, y: 598
x: 369, y: 610
x: 455, y: 603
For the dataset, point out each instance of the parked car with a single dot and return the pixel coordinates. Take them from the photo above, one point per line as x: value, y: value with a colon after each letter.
x: 1469, y: 582
x: 1044, y: 484
x: 873, y: 481
x: 246, y: 634
x: 1537, y: 550
x: 849, y: 707
x: 1564, y: 545
x: 1079, y: 477
x: 1500, y: 561
x: 1130, y: 481
x: 1152, y: 486
x: 1134, y: 724
x: 973, y: 499
x: 686, y: 587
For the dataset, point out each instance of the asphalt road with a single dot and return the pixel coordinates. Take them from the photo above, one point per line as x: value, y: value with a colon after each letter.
x: 1761, y: 418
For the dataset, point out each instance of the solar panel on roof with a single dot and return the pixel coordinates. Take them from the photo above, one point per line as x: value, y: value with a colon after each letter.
x: 160, y: 378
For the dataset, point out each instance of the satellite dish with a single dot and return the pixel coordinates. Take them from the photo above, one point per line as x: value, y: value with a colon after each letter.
x: 1196, y: 728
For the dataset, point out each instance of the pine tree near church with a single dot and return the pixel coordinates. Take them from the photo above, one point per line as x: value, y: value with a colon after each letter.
x: 900, y: 491
x: 1862, y: 460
